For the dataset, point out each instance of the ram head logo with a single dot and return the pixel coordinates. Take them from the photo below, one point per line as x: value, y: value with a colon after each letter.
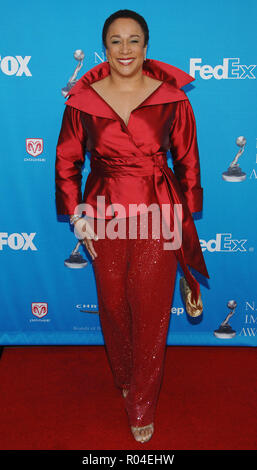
x: 34, y: 147
x: 39, y: 309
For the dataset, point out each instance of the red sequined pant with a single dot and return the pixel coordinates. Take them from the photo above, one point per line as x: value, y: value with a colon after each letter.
x: 135, y: 283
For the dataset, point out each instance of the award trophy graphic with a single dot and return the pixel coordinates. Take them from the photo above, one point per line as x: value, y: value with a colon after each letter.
x: 76, y: 260
x: 225, y: 331
x: 234, y: 174
x: 79, y: 56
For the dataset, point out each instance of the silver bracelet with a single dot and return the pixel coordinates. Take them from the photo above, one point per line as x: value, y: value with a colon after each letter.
x: 74, y: 218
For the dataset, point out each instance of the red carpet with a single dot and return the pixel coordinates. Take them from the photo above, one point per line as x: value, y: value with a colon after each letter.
x: 64, y: 398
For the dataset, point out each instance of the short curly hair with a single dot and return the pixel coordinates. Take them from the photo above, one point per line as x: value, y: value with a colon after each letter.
x: 125, y: 14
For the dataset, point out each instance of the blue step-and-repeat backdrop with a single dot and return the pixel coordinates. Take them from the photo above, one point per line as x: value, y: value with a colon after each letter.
x: 42, y: 300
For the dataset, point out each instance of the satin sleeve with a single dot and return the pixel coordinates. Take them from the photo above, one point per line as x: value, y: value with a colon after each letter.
x: 185, y: 155
x: 70, y: 157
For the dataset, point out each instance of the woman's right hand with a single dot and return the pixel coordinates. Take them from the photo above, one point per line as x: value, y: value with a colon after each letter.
x: 84, y: 232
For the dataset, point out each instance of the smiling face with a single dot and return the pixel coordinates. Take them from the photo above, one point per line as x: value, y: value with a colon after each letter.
x: 125, y: 49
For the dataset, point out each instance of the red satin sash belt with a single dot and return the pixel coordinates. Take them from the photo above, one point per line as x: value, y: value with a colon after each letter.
x: 145, y: 166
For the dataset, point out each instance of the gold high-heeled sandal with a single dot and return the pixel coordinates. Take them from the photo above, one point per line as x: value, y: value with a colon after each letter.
x: 136, y: 429
x: 136, y: 432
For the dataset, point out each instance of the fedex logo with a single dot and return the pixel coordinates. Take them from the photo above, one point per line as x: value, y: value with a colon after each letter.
x: 229, y: 69
x: 224, y: 242
x: 18, y: 241
x: 15, y: 65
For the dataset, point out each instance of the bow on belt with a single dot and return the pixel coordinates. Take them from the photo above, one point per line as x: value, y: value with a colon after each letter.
x: 155, y: 165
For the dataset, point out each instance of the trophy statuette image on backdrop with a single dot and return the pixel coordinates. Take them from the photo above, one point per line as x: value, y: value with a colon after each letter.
x: 75, y: 260
x: 225, y: 331
x: 234, y: 174
x: 79, y: 56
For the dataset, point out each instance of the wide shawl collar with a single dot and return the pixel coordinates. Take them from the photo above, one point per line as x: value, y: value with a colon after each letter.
x: 83, y: 97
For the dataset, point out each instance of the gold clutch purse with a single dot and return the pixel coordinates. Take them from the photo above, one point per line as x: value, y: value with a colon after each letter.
x: 193, y: 309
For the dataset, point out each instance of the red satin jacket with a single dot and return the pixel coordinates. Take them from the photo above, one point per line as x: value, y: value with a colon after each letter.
x: 129, y: 163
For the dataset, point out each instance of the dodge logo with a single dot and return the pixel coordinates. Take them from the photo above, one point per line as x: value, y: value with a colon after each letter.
x: 39, y: 309
x: 34, y: 147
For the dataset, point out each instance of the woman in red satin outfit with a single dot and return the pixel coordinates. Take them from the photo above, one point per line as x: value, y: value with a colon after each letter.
x: 128, y: 112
